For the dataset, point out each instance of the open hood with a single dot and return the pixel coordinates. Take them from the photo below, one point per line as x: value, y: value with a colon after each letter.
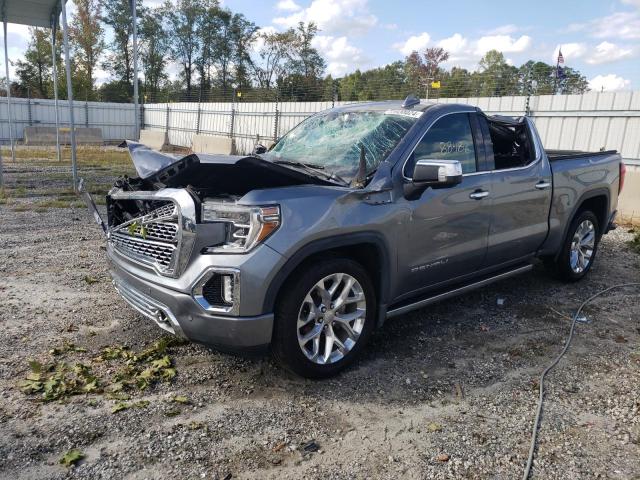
x: 212, y: 174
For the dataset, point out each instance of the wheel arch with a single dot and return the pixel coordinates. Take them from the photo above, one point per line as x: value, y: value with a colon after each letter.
x: 367, y: 248
x: 598, y: 201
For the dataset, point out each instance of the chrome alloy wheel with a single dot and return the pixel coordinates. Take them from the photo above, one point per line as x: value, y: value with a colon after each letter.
x: 331, y: 318
x: 582, y: 246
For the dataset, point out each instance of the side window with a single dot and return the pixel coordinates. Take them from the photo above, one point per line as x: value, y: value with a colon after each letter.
x: 450, y: 138
x: 511, y: 145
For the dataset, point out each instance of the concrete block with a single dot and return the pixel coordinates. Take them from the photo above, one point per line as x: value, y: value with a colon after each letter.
x: 154, y: 139
x: 213, y: 144
x: 629, y: 200
x: 47, y: 136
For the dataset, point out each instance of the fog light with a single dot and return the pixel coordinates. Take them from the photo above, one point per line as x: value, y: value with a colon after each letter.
x: 227, y: 288
x: 218, y: 290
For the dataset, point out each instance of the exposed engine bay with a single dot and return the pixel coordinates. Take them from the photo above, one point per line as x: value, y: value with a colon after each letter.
x: 223, y: 177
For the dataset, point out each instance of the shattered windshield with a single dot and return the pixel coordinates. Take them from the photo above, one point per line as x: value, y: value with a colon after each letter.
x: 334, y: 141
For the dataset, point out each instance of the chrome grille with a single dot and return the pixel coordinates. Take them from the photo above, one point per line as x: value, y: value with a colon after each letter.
x: 144, y: 250
x: 152, y: 238
x: 163, y: 231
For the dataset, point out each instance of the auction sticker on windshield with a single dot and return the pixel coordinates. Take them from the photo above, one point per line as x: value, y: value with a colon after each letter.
x: 404, y: 113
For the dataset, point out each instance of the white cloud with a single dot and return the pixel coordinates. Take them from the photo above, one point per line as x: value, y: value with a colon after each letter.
x: 415, y: 43
x: 454, y: 44
x: 465, y: 52
x: 570, y: 51
x: 608, y: 83
x: 502, y: 43
x: 503, y: 30
x: 288, y: 6
x: 342, y: 57
x: 607, y: 52
x: 340, y: 17
x: 621, y: 25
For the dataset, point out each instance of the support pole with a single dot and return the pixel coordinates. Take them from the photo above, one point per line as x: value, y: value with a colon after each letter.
x: 134, y: 19
x: 55, y: 85
x: 6, y: 66
x: 67, y: 61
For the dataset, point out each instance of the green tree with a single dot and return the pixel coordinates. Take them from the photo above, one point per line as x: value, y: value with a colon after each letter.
x: 35, y: 71
x: 183, y: 19
x: 119, y: 59
x: 422, y: 69
x: 154, y: 44
x: 87, y: 40
x: 497, y: 77
x: 273, y: 57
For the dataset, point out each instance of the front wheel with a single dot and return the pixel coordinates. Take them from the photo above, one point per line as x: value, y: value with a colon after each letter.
x: 324, y: 317
x: 579, y: 248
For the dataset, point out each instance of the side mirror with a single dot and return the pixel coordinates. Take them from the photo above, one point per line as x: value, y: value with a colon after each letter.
x: 435, y: 174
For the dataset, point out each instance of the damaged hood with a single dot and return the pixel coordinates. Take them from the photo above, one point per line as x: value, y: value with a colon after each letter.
x: 228, y: 174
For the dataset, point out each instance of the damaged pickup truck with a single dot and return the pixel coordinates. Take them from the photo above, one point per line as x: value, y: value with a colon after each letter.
x: 360, y: 213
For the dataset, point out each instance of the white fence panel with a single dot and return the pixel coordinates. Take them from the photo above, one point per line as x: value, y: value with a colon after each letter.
x: 591, y: 121
x: 117, y: 120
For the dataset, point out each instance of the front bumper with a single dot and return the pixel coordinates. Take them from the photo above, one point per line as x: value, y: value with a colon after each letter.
x: 178, y: 313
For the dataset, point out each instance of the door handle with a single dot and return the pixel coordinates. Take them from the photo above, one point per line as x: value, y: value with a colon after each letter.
x: 542, y: 185
x: 479, y: 194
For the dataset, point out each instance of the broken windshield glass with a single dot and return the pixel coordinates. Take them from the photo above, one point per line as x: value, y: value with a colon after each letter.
x: 334, y: 140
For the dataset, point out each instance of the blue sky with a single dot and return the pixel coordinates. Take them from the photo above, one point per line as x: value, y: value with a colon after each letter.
x: 600, y: 38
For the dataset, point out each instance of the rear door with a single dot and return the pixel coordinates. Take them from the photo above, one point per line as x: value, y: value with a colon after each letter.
x: 446, y: 235
x: 521, y: 198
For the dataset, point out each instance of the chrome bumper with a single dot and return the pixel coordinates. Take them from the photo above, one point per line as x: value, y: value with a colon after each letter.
x: 150, y: 308
x: 179, y: 313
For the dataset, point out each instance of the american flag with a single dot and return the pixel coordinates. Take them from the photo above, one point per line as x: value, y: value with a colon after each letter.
x: 560, y: 57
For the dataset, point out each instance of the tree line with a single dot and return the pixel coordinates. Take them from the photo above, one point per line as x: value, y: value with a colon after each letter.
x: 221, y: 55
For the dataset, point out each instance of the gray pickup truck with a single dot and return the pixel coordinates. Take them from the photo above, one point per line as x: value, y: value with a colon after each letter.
x: 358, y: 214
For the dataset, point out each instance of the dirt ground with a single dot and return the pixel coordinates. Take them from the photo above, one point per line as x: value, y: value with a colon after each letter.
x: 445, y: 392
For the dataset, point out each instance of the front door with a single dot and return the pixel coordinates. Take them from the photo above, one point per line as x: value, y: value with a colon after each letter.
x: 445, y: 235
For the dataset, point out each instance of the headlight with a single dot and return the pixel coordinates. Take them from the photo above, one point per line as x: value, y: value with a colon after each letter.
x: 246, y: 226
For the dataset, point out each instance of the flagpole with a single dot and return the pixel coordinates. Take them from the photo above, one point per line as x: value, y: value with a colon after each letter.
x: 555, y: 81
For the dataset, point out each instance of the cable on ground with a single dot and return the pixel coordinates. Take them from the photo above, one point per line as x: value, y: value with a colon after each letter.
x: 534, y: 434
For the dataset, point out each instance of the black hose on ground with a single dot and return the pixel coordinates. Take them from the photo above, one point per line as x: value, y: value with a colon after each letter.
x: 534, y: 435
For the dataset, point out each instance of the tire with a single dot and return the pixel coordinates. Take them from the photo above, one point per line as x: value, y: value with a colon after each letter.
x: 570, y: 264
x: 304, y: 296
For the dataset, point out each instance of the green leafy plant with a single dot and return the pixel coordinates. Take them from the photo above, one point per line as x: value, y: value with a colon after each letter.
x: 72, y: 457
x: 137, y: 371
x: 66, y: 347
x: 57, y: 381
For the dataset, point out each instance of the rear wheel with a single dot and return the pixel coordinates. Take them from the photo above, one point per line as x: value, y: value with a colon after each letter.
x: 579, y: 248
x: 324, y: 317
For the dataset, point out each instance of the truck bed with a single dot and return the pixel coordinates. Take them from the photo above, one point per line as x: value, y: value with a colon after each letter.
x: 555, y: 155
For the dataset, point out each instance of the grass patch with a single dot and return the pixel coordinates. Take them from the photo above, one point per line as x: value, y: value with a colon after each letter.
x: 86, y: 156
x: 59, y: 202
x: 634, y: 243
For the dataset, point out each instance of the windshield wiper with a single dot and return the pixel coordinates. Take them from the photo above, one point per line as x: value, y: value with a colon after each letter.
x: 304, y: 164
x: 318, y: 170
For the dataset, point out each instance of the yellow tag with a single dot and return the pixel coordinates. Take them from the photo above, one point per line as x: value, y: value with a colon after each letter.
x: 435, y: 84
x: 239, y: 94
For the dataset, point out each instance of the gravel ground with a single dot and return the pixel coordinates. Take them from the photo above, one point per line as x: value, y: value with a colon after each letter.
x: 445, y: 392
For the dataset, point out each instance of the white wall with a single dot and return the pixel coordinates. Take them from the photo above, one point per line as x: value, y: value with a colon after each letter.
x: 115, y: 119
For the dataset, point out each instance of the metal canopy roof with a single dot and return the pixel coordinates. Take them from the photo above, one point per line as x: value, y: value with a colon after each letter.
x: 35, y: 13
